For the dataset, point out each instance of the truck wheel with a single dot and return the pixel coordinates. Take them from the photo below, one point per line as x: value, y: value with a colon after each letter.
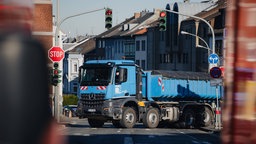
x: 151, y: 118
x: 206, y: 117
x: 128, y: 118
x: 95, y: 123
x: 188, y: 119
x: 116, y: 123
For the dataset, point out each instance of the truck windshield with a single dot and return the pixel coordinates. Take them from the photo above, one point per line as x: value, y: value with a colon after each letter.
x: 96, y: 76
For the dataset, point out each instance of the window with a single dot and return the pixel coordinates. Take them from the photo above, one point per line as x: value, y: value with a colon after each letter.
x: 74, y: 89
x: 138, y: 62
x: 99, y: 43
x: 171, y: 58
x: 143, y: 64
x: 161, y: 58
x: 167, y: 58
x: 118, y: 78
x: 119, y: 47
x: 218, y: 47
x: 179, y: 58
x: 185, y: 58
x: 103, y: 44
x: 137, y: 45
x: 143, y: 45
x: 75, y: 67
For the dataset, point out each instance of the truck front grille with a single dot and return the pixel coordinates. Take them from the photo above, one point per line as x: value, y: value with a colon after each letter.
x: 92, y: 100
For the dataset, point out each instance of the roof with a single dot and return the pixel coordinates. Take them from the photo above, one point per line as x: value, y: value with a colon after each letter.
x: 110, y: 61
x: 83, y: 47
x: 212, y: 11
x: 183, y: 74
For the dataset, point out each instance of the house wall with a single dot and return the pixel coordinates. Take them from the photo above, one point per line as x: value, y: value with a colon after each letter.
x: 42, y: 24
x: 141, y: 51
x: 72, y: 63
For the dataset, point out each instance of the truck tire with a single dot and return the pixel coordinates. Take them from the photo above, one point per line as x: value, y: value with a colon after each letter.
x: 151, y: 118
x: 206, y: 117
x: 116, y: 123
x: 129, y: 117
x: 187, y: 119
x: 95, y: 123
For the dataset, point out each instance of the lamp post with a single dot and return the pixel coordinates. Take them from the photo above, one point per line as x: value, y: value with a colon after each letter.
x: 207, y: 46
x: 198, y: 45
x: 58, y: 42
x: 195, y: 17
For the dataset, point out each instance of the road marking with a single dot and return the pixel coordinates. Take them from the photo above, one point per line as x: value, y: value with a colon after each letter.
x: 81, y: 134
x: 151, y: 136
x: 206, y: 143
x: 73, y: 122
x: 195, y: 140
x: 128, y: 140
x: 187, y: 135
x: 77, y: 134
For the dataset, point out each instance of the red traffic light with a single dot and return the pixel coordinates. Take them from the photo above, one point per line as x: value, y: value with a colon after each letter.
x: 55, y: 71
x: 162, y: 14
x: 108, y: 12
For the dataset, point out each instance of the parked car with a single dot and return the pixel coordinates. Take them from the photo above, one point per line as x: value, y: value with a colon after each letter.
x: 70, y: 110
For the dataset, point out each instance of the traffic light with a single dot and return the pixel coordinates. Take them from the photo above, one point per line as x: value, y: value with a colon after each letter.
x: 56, y: 74
x: 50, y: 75
x: 108, y: 18
x: 162, y: 20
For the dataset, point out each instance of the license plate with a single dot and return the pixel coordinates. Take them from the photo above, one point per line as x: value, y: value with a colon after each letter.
x: 91, y: 110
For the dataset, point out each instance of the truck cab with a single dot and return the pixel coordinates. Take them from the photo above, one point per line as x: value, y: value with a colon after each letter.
x: 103, y: 87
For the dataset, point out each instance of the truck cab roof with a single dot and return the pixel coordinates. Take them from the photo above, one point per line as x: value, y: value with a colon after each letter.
x: 116, y: 62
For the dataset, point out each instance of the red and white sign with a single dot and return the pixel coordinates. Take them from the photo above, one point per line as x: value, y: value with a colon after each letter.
x: 56, y: 54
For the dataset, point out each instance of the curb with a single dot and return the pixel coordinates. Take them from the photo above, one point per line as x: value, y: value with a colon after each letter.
x: 209, y: 129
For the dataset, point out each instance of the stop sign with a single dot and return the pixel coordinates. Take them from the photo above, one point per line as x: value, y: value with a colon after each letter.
x: 56, y: 54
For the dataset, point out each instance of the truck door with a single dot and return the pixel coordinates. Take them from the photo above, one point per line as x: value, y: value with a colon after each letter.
x: 125, y: 81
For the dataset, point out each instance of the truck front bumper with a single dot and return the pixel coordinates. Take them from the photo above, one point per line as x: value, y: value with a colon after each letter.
x: 107, y: 110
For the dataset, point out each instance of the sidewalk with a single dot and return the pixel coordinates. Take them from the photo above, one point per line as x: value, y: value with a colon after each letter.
x: 65, y: 121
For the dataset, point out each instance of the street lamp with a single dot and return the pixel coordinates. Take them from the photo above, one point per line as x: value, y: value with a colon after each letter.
x: 198, y: 45
x: 195, y: 17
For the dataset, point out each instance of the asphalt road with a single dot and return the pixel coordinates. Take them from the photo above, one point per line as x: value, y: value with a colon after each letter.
x: 78, y: 131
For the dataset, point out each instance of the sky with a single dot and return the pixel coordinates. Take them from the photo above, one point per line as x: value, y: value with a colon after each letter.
x: 94, y: 23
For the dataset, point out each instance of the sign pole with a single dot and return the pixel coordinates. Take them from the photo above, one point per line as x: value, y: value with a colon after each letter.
x: 216, y: 111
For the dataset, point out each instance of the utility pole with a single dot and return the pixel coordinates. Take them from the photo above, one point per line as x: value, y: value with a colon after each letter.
x: 58, y: 94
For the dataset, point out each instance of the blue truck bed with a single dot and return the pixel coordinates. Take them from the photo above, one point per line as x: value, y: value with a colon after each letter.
x: 178, y: 86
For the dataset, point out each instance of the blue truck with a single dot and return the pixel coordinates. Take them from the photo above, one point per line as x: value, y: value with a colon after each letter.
x: 121, y: 92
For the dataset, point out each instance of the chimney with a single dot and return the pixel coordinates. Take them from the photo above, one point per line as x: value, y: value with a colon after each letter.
x: 136, y: 15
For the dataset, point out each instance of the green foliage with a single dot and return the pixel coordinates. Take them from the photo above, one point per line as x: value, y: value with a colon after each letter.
x: 69, y: 99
